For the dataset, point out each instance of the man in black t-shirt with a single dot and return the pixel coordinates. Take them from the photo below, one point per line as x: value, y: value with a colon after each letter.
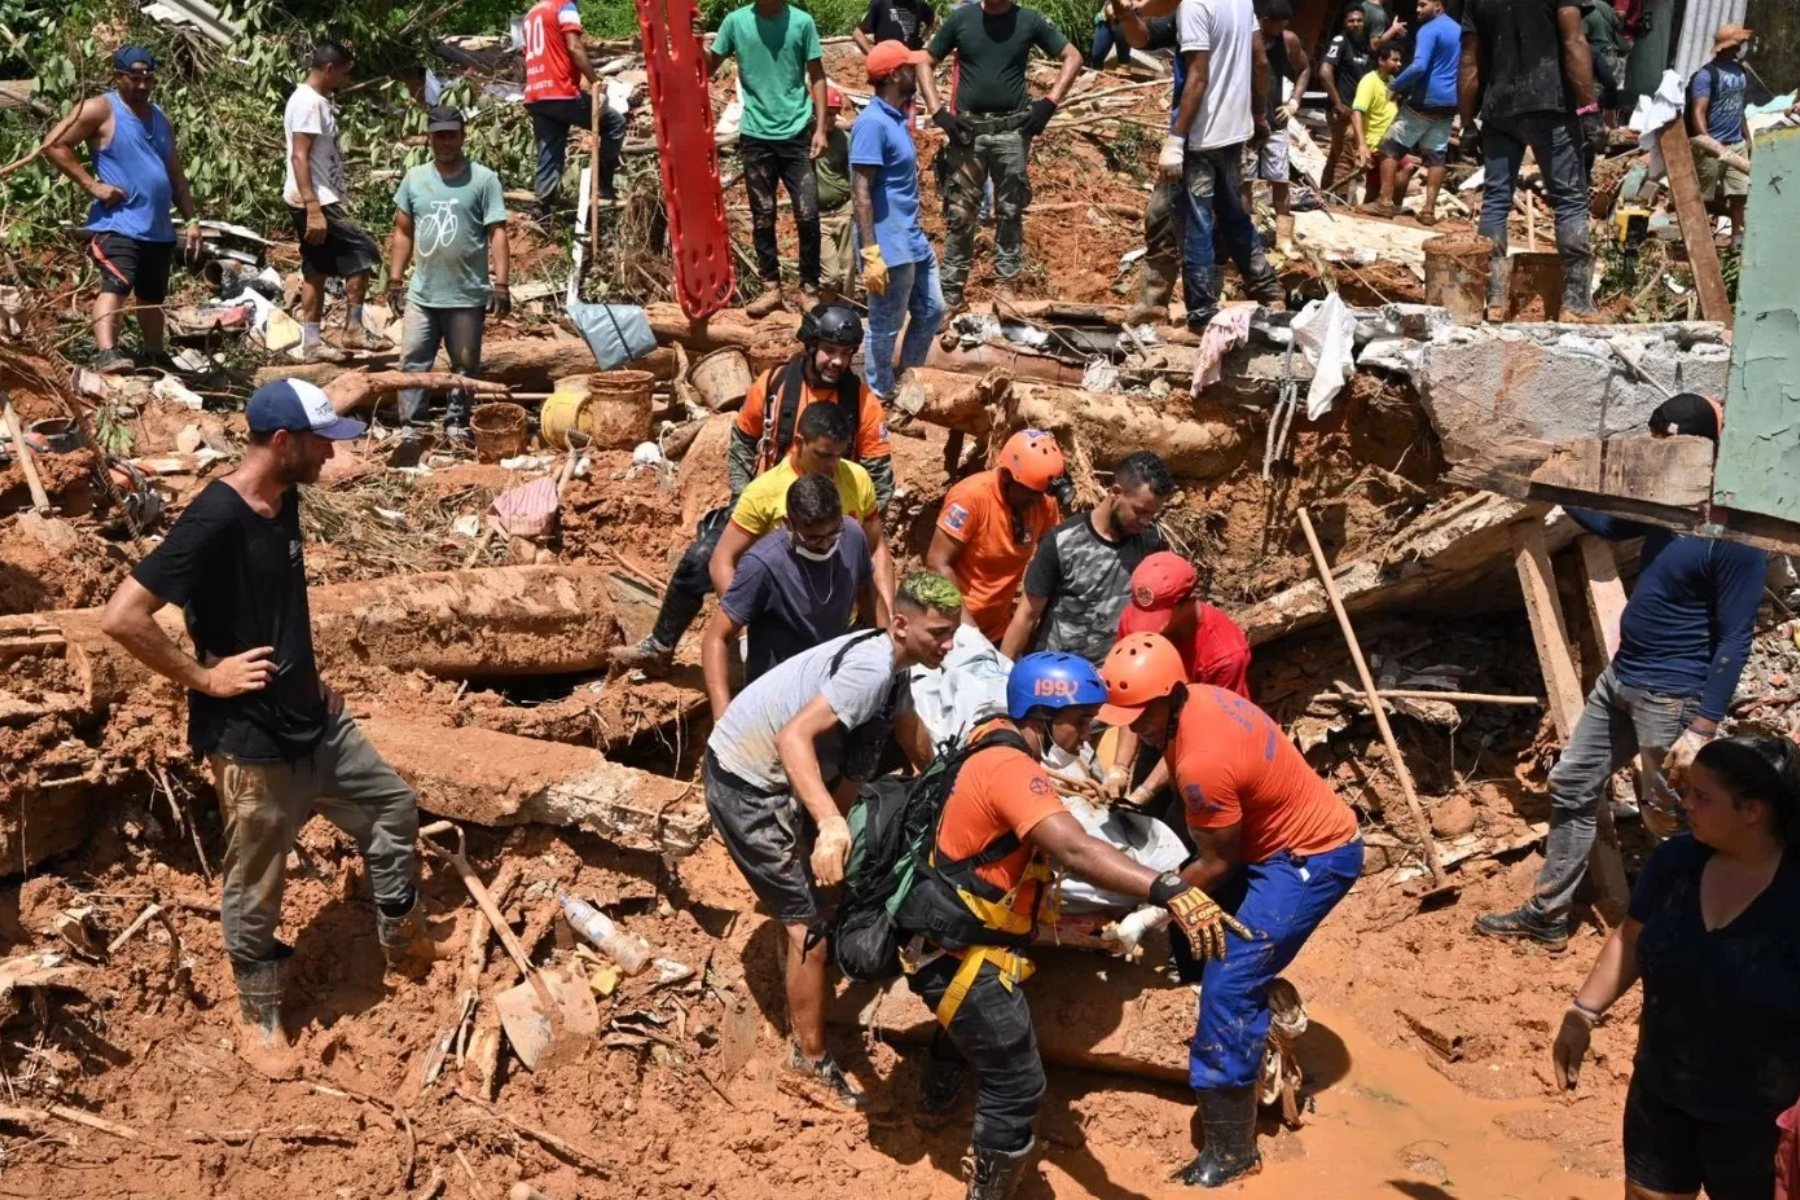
x: 274, y: 734
x: 1349, y: 56
x: 896, y: 21
x: 1079, y: 581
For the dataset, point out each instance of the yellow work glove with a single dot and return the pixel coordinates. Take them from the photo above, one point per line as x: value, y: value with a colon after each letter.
x: 875, y: 271
x: 1201, y: 921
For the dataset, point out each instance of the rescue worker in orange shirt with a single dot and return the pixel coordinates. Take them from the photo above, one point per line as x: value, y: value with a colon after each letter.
x: 830, y: 335
x: 1277, y: 847
x: 978, y: 897
x: 991, y: 525
x: 1213, y: 651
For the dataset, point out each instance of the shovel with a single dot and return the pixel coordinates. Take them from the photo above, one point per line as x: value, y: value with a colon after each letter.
x: 546, y: 1018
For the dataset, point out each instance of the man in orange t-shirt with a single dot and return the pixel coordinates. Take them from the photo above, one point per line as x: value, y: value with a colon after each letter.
x: 1003, y: 806
x: 1273, y: 838
x: 991, y: 525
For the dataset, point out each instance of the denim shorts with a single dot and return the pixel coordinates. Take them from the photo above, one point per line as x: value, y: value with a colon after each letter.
x: 1414, y: 130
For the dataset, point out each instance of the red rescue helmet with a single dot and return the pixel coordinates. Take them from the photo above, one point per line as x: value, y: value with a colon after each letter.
x: 1140, y: 670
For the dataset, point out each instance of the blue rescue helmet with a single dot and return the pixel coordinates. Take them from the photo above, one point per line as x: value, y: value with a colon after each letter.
x: 1052, y: 679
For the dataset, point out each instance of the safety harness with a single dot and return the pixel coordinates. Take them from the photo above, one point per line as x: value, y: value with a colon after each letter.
x: 778, y: 423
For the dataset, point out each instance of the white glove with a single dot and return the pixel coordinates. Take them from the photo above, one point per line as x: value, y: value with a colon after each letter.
x: 1174, y: 154
x: 1680, y: 758
x: 1284, y: 114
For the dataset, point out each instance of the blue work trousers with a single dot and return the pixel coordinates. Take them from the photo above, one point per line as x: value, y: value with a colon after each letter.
x: 1218, y: 228
x: 1284, y: 899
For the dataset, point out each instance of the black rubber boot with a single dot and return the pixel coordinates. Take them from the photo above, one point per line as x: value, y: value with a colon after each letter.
x: 263, y: 1042
x: 1497, y: 284
x: 1229, y: 1115
x: 993, y: 1174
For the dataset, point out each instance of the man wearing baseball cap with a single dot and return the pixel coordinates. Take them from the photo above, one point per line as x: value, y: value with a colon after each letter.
x: 900, y: 272
x: 1213, y: 651
x: 1717, y: 97
x: 276, y: 737
x: 1275, y: 846
x: 137, y: 174
x: 450, y: 223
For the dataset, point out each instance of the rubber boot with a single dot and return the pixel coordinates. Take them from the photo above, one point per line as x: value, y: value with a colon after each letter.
x: 408, y: 945
x: 993, y: 1174
x: 1578, y: 293
x: 262, y: 1042
x: 1284, y: 232
x: 1497, y: 285
x: 1229, y: 1115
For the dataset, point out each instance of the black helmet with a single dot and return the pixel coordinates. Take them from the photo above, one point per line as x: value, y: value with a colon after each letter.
x: 834, y: 323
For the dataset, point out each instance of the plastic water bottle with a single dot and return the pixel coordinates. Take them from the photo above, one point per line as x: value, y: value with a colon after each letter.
x: 632, y: 954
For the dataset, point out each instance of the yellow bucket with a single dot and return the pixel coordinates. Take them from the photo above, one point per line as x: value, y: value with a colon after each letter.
x: 565, y: 410
x: 609, y: 410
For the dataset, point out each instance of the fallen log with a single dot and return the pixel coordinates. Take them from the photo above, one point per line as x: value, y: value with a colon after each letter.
x: 527, y: 364
x: 953, y: 400
x: 1442, y: 558
x: 1111, y: 425
x: 497, y: 779
x: 1672, y: 471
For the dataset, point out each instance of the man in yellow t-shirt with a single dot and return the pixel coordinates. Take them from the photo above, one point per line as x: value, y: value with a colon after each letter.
x: 821, y: 439
x: 1373, y: 110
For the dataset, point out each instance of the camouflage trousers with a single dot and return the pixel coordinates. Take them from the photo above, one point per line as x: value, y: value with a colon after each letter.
x: 1162, y: 243
x: 966, y: 170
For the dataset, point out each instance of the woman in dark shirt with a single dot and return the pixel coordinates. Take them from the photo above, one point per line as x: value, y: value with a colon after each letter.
x: 1712, y: 934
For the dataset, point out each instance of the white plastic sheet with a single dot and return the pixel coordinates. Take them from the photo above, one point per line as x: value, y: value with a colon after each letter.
x: 1325, y: 331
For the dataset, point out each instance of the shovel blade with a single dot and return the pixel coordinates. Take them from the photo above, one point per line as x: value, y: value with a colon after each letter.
x: 544, y: 1038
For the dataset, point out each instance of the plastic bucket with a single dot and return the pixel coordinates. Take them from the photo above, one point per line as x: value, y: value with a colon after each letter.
x: 566, y: 409
x: 501, y: 431
x: 618, y: 409
x: 1456, y: 275
x: 722, y: 378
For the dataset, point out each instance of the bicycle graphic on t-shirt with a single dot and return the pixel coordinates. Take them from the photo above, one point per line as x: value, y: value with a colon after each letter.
x: 437, y: 228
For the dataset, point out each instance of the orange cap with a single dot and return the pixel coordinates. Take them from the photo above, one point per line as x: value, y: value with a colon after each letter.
x: 1730, y: 35
x: 1032, y: 457
x: 833, y: 97
x: 889, y: 56
x: 1140, y: 670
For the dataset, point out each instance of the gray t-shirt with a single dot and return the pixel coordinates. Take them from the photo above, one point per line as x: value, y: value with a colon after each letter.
x: 744, y: 739
x: 450, y: 241
x: 1087, y: 583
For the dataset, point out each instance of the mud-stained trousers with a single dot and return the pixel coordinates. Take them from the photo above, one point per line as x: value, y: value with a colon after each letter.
x: 991, y: 1032
x: 1162, y: 243
x: 1283, y: 900
x: 768, y: 166
x: 1000, y: 151
x: 264, y: 806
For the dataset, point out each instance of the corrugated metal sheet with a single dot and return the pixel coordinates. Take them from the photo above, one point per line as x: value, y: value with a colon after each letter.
x: 1701, y: 21
x: 197, y: 13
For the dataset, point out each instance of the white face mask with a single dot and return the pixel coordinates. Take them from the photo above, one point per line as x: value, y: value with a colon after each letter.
x: 1058, y: 759
x: 818, y: 556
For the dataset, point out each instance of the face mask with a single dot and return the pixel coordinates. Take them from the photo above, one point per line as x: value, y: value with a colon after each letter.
x: 1058, y: 759
x: 818, y: 556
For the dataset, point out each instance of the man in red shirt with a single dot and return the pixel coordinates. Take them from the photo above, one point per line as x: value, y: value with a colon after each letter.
x: 558, y: 94
x: 1276, y: 846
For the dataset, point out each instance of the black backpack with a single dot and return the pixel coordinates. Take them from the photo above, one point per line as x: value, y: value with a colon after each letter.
x: 893, y: 823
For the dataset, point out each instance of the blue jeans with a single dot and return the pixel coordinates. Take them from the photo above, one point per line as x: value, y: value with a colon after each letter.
x: 912, y: 288
x: 1284, y: 900
x: 1218, y: 227
x: 458, y: 330
x: 550, y: 123
x: 1556, y: 144
x: 1108, y: 38
x: 1618, y: 724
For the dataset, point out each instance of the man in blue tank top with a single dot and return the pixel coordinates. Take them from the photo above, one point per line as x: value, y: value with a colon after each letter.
x: 137, y: 173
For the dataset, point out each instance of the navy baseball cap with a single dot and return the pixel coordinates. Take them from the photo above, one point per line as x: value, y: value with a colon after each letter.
x: 299, y: 407
x: 131, y: 59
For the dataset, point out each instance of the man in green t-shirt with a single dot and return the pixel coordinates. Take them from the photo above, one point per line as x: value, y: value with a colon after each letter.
x: 989, y: 133
x: 450, y: 223
x: 837, y: 248
x: 781, y: 70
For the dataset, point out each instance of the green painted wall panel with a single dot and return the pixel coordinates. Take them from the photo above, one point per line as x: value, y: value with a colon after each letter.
x: 1759, y: 455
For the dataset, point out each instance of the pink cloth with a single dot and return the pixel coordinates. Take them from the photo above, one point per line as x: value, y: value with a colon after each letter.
x: 1230, y: 327
x: 526, y: 511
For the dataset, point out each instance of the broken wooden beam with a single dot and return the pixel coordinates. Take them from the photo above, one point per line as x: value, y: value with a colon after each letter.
x: 497, y: 779
x: 1671, y: 471
x: 1696, y: 222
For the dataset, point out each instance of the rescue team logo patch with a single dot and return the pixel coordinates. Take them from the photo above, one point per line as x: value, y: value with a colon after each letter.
x: 882, y: 431
x: 956, y: 517
x: 1195, y: 801
x: 1041, y: 786
x: 1142, y: 596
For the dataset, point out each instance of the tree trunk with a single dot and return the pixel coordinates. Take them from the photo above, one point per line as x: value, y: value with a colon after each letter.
x: 1111, y: 425
x: 528, y: 364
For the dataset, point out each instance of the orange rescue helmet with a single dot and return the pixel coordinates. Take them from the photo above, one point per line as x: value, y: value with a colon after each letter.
x: 1033, y: 458
x: 1140, y: 670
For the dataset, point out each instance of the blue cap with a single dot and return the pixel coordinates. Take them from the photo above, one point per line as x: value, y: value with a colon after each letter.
x: 298, y: 407
x: 130, y: 58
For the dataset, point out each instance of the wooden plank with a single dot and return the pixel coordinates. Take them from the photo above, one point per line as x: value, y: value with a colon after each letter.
x: 1696, y: 225
x: 1676, y: 471
x: 1605, y: 594
x: 1563, y: 685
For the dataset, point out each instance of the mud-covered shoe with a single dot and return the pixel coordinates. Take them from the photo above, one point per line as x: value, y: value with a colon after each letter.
x: 1147, y: 314
x: 824, y: 1070
x: 769, y: 302
x: 322, y: 352
x: 112, y: 362
x: 1521, y: 922
x: 810, y: 297
x: 409, y: 944
x: 649, y: 656
x: 360, y: 340
x: 263, y: 1043
x: 942, y: 1084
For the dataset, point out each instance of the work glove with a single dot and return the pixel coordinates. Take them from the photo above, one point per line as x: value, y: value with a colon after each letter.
x: 1201, y: 921
x: 1042, y: 109
x: 874, y: 272
x: 500, y: 301
x: 397, y: 299
x: 1283, y: 115
x: 1571, y: 1047
x: 1680, y: 758
x: 1174, y: 154
x: 957, y: 129
x: 1593, y: 133
x: 1117, y: 782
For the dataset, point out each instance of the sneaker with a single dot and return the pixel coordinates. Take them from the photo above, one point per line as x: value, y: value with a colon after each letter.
x: 321, y: 352
x: 1523, y: 923
x: 358, y: 338
x: 769, y: 302
x: 809, y: 296
x: 158, y: 359
x: 649, y: 656
x: 1377, y: 208
x: 825, y: 1070
x: 111, y: 362
x: 942, y: 1084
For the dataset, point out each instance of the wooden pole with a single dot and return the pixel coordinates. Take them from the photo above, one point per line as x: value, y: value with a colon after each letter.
x: 1696, y: 225
x: 1440, y: 881
x: 599, y: 91
x: 40, y: 499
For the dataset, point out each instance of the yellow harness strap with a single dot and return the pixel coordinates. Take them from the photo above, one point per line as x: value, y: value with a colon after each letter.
x: 1014, y: 969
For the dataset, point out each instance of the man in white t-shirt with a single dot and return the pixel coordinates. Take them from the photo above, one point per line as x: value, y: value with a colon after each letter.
x: 1222, y: 108
x: 331, y: 244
